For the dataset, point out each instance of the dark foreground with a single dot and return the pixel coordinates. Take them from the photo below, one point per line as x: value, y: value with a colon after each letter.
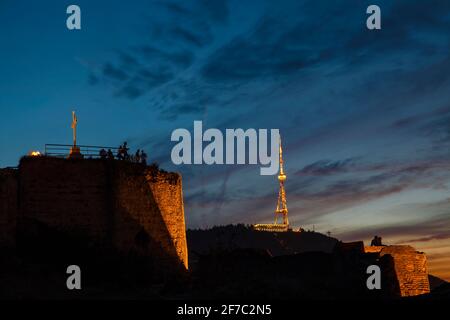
x: 227, y: 271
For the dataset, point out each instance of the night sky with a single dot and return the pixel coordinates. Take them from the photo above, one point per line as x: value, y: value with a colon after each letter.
x: 364, y: 115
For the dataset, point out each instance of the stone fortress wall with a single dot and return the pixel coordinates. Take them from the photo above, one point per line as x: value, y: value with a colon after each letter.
x: 131, y: 207
x: 406, y: 266
x: 115, y: 204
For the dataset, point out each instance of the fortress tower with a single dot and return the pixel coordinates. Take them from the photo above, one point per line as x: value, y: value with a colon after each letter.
x: 111, y: 205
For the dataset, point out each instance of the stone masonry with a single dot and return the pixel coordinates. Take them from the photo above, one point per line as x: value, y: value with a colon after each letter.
x: 115, y: 204
x: 409, y: 266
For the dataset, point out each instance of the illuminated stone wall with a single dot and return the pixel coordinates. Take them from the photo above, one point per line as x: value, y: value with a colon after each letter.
x: 168, y: 192
x: 410, y: 268
x: 404, y: 265
x: 150, y: 204
x: 114, y: 204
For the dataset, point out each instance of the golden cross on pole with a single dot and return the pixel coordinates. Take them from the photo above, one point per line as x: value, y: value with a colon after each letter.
x: 74, y: 127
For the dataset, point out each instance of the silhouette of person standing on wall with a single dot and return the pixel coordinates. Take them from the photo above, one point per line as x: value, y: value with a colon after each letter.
x: 137, y: 156
x: 119, y: 152
x: 110, y: 155
x: 103, y: 154
x: 376, y: 241
x: 125, y: 151
x: 143, y: 157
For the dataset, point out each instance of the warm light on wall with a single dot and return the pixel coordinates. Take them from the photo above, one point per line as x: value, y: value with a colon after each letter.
x: 34, y: 153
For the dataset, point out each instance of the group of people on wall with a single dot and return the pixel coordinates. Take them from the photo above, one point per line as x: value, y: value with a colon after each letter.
x: 122, y: 154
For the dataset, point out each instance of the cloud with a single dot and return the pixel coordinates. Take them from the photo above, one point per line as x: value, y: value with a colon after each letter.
x: 131, y: 77
x: 152, y: 78
x: 439, y: 128
x: 326, y: 167
x: 216, y: 11
x: 434, y: 124
x: 111, y: 72
x: 191, y: 37
x: 127, y: 61
x: 265, y: 52
x: 440, y: 236
x: 93, y: 79
x: 174, y: 111
x: 181, y: 59
x: 130, y: 91
x: 142, y: 81
x: 175, y: 8
x: 187, y: 24
x: 279, y: 46
x: 400, y: 23
x: 140, y: 69
x: 431, y: 228
x: 315, y: 196
x: 321, y: 65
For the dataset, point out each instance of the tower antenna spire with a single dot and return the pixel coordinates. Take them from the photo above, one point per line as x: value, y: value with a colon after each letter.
x: 281, y: 211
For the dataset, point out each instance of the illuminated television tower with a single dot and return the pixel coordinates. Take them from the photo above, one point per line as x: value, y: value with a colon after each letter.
x: 281, y: 209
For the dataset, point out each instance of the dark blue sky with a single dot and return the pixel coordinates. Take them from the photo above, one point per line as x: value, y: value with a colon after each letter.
x: 364, y: 115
